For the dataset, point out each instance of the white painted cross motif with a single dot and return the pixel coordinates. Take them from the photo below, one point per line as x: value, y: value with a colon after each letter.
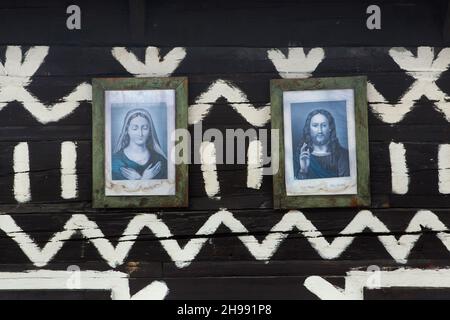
x: 154, y: 65
x: 15, y: 75
x: 425, y: 68
x: 297, y: 64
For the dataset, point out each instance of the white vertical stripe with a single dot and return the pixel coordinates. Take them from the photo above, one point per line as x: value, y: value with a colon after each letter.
x: 254, y: 165
x: 21, y: 173
x: 444, y: 168
x: 209, y: 169
x: 69, y: 181
x: 399, y: 170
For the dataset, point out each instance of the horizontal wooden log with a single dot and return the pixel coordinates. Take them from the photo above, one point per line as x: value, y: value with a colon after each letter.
x: 421, y: 159
x: 224, y: 244
x: 279, y: 23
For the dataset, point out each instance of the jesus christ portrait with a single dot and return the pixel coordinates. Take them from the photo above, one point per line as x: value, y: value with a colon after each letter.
x: 319, y: 153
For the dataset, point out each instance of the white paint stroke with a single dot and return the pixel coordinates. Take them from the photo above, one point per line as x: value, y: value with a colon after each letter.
x: 296, y: 64
x: 16, y: 74
x: 444, y: 168
x: 114, y: 281
x: 157, y: 290
x: 22, y: 67
x: 399, y: 249
x: 235, y: 97
x: 254, y: 164
x: 426, y: 70
x: 154, y: 64
x: 209, y: 168
x: 325, y: 290
x: 356, y: 281
x: 21, y: 166
x: 69, y: 179
x: 399, y: 169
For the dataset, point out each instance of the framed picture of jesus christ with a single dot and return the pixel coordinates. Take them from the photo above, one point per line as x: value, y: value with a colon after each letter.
x: 323, y: 156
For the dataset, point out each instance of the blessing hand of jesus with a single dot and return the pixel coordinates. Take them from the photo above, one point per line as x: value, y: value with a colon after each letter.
x: 304, y: 158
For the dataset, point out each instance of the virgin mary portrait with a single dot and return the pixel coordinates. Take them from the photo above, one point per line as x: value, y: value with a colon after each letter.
x: 138, y: 154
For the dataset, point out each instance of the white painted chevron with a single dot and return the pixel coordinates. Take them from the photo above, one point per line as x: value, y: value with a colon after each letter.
x: 399, y: 249
x: 235, y: 97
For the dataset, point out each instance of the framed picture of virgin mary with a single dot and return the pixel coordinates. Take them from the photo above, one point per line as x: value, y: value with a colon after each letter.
x: 134, y: 124
x: 323, y: 146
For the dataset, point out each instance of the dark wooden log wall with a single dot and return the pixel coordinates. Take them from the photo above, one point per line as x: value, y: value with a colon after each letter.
x: 226, y: 40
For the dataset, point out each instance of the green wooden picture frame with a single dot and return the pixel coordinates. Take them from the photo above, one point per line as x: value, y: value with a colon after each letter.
x: 362, y: 197
x: 99, y: 86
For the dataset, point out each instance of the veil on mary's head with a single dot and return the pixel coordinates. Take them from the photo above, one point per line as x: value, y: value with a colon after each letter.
x: 152, y: 141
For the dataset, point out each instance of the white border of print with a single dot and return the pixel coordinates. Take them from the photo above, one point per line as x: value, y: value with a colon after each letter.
x: 148, y: 187
x: 328, y: 186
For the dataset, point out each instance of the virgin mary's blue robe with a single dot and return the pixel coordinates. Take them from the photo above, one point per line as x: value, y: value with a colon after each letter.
x: 120, y: 160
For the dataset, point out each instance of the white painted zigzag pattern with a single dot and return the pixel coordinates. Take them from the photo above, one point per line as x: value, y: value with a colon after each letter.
x: 399, y: 249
